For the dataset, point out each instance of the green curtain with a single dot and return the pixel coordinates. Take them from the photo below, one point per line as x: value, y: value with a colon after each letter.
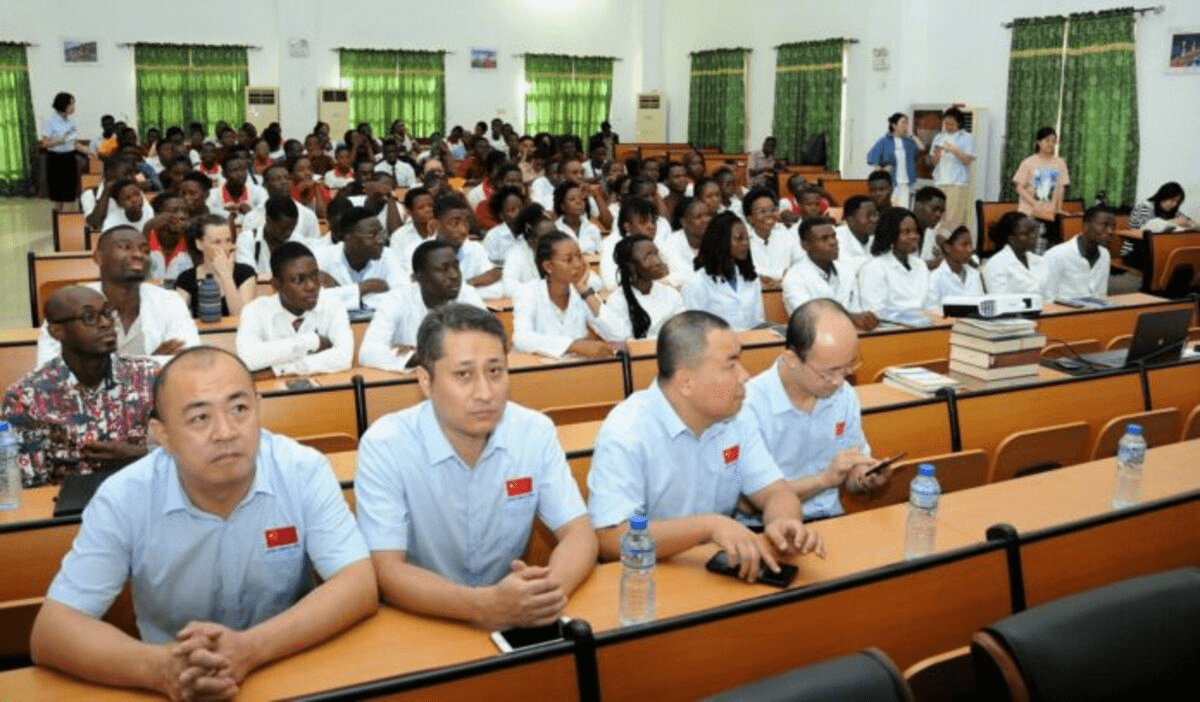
x: 808, y: 97
x: 389, y: 85
x: 217, y: 85
x: 1034, y: 86
x: 178, y: 85
x: 717, y: 100
x: 1099, y: 116
x: 18, y: 133
x: 567, y: 94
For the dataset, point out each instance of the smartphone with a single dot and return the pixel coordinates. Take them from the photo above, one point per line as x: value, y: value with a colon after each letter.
x: 787, y: 572
x: 300, y: 383
x: 885, y: 463
x: 513, y: 639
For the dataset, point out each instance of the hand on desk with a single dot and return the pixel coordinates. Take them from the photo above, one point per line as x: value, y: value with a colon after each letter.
x: 170, y: 347
x: 525, y: 597
x: 195, y: 671
x: 791, y: 536
x: 743, y: 546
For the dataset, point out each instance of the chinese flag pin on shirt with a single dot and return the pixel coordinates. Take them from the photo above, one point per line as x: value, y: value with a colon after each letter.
x: 731, y: 453
x: 839, y: 429
x: 519, y: 486
x: 282, y: 536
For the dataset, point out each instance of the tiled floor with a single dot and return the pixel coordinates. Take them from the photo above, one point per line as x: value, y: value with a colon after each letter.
x: 24, y: 226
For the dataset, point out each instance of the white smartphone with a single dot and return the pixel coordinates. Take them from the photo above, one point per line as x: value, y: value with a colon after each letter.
x: 513, y: 639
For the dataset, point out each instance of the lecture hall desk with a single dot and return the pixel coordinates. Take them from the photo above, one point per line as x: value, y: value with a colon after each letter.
x: 856, y: 543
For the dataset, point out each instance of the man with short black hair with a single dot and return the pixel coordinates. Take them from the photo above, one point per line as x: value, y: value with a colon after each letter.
x: 809, y: 416
x: 819, y: 275
x: 359, y: 268
x: 879, y: 189
x: 1079, y: 267
x: 929, y: 206
x: 151, y: 321
x: 680, y: 453
x: 278, y: 182
x: 221, y: 534
x: 447, y: 490
x: 87, y: 409
x: 255, y: 244
x: 855, y: 234
x: 437, y: 280
x: 298, y: 330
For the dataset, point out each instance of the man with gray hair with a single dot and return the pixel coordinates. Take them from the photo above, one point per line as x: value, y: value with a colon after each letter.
x: 680, y: 453
x: 447, y: 490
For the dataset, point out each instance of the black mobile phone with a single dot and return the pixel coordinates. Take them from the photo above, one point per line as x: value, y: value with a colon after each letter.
x: 787, y: 572
x: 885, y: 463
x: 299, y: 384
x: 514, y: 639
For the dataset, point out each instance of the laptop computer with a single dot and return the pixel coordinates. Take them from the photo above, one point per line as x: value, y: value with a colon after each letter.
x: 1158, y: 337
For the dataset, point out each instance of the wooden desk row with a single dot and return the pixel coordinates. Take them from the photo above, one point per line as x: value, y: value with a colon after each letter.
x: 718, y: 632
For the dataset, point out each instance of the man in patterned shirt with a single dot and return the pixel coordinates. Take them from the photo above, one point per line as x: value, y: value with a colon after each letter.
x: 86, y: 409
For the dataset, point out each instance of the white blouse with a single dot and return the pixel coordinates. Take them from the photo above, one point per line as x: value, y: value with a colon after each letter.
x: 1005, y: 274
x: 661, y: 303
x: 540, y: 327
x: 885, y: 284
x: 588, y: 235
x: 944, y: 283
x: 742, y: 307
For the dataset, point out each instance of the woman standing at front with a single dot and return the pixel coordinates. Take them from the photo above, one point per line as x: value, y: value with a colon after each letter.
x: 951, y: 153
x: 1041, y: 180
x: 896, y: 152
x: 62, y: 170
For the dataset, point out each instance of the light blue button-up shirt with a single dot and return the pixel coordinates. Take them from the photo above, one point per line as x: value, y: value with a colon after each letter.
x: 804, y: 443
x: 648, y: 462
x: 414, y: 493
x: 186, y: 564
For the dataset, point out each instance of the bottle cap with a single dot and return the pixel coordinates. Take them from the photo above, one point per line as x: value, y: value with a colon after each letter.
x: 925, y: 470
x: 638, y: 522
x: 1135, y: 429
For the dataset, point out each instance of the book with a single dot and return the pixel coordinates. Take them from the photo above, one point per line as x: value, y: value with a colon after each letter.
x: 1087, y: 303
x: 917, y: 380
x: 986, y: 359
x: 1007, y: 328
x: 993, y: 373
x: 1035, y: 341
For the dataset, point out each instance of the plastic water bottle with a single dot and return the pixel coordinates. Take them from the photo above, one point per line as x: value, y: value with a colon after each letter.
x: 921, y: 530
x: 637, y: 573
x: 1131, y: 454
x: 209, y: 299
x: 10, y: 468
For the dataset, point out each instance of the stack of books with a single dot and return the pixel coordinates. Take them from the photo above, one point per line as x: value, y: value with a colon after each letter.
x: 997, y: 351
x: 918, y: 381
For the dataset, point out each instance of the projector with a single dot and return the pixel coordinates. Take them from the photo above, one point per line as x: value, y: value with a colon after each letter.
x: 992, y: 306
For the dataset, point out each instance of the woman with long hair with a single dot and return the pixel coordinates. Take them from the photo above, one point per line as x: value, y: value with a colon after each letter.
x: 641, y: 302
x: 725, y: 282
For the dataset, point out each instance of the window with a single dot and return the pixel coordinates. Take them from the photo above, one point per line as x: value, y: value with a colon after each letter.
x: 386, y: 86
x: 567, y: 94
x: 179, y: 84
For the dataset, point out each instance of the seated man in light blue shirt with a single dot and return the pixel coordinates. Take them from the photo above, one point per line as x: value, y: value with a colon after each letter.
x: 218, y: 532
x: 447, y: 490
x: 809, y: 416
x: 680, y: 453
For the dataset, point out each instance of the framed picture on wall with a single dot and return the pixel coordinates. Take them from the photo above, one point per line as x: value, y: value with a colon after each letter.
x: 78, y: 51
x: 484, y: 59
x: 1185, y: 52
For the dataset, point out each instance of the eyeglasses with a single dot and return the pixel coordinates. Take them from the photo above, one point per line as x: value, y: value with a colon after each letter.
x: 836, y: 375
x: 90, y: 317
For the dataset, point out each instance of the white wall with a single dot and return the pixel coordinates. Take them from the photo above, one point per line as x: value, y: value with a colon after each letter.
x: 578, y: 27
x: 941, y: 51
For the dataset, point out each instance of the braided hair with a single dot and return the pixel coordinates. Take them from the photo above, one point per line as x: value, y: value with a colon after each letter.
x: 639, y: 318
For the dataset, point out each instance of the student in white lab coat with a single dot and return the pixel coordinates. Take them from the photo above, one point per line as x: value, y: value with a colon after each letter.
x: 895, y: 279
x: 1015, y: 269
x: 955, y: 275
x: 725, y: 282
